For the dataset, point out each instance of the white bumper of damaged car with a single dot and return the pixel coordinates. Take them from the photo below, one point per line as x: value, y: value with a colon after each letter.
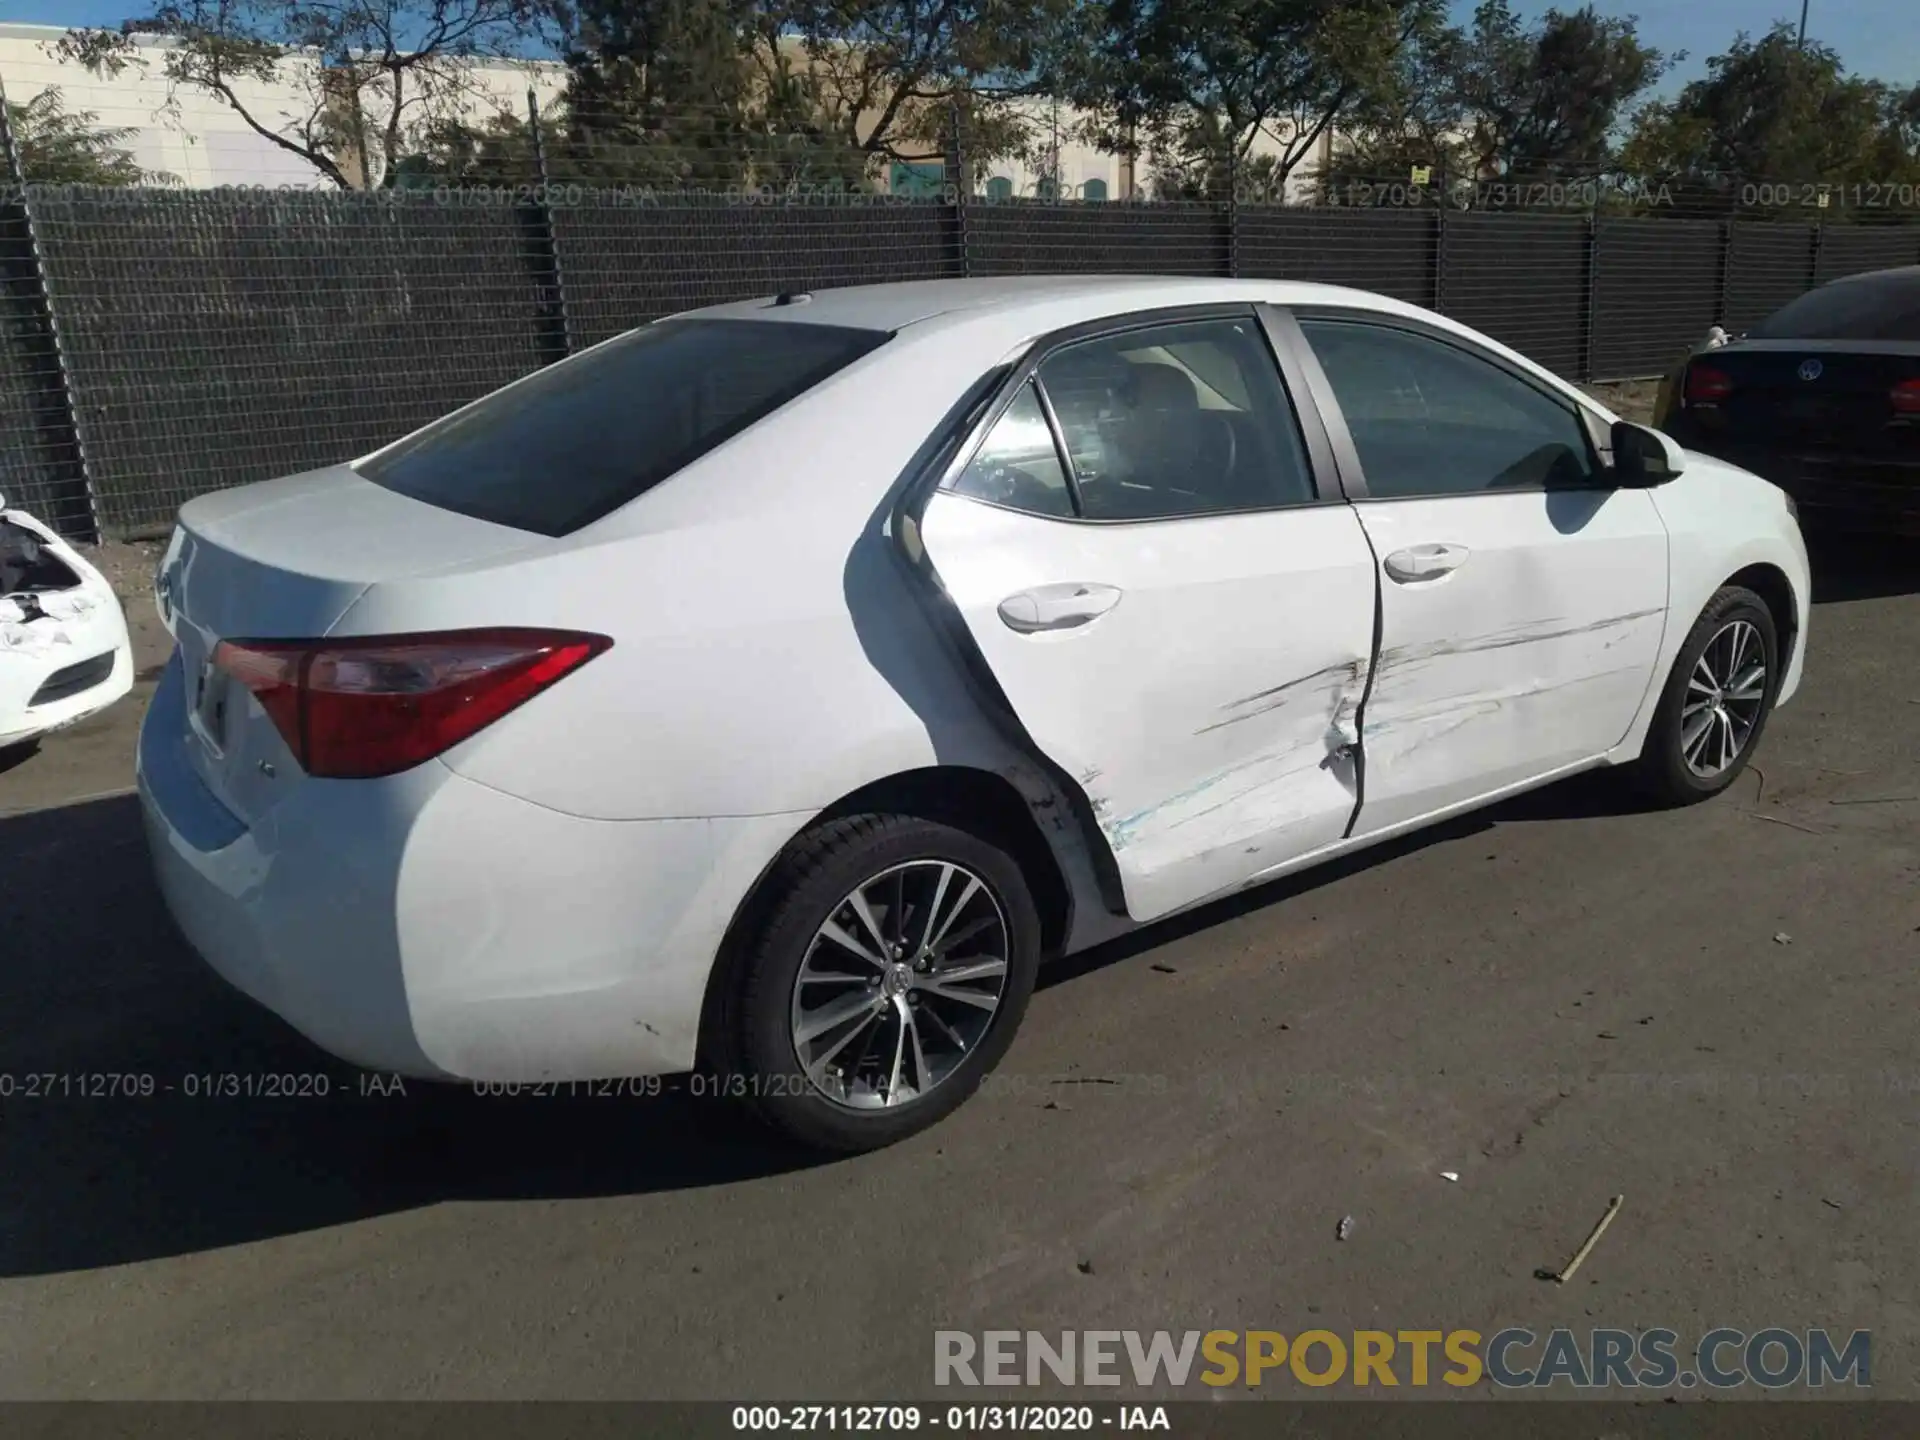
x: 64, y: 653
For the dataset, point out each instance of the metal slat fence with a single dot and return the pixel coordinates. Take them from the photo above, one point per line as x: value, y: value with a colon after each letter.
x: 157, y: 343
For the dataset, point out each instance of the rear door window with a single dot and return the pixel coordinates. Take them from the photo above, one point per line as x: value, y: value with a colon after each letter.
x: 583, y: 437
x: 1018, y: 465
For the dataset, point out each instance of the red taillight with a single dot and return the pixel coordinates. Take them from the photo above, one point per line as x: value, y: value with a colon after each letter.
x: 1906, y: 398
x: 1706, y: 385
x: 354, y: 709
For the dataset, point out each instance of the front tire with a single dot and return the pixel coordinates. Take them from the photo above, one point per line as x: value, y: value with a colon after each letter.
x: 886, y: 980
x: 1716, y: 701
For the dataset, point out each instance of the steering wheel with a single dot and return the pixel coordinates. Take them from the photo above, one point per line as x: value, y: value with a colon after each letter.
x: 1020, y: 489
x: 1224, y: 425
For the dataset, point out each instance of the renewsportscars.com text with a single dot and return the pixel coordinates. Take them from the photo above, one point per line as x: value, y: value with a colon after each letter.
x: 1513, y: 1358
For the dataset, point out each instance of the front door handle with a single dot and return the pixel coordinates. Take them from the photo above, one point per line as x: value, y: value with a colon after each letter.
x: 1057, y: 607
x: 1425, y: 562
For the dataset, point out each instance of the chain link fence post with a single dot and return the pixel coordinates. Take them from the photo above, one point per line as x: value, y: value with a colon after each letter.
x: 1723, y: 287
x: 1233, y: 208
x: 1590, y: 320
x: 32, y: 330
x: 962, y: 186
x: 549, y: 278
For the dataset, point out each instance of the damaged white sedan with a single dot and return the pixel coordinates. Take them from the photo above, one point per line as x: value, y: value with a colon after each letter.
x: 770, y: 689
x: 64, y: 653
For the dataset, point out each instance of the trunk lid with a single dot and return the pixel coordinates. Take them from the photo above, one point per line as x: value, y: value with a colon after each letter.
x: 1830, y: 399
x: 285, y: 560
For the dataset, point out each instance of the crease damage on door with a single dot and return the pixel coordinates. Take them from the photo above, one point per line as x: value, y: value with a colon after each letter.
x: 1528, y: 632
x: 1412, y: 715
x: 1414, y: 721
x: 1334, y: 689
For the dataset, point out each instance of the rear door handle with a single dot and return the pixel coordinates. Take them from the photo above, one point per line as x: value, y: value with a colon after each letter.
x: 1057, y: 607
x: 1425, y: 562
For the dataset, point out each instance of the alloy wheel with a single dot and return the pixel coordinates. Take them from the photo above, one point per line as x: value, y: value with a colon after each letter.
x: 899, y: 984
x: 1726, y: 695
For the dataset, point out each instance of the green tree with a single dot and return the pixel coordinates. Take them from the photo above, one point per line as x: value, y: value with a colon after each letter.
x: 659, y: 93
x: 456, y: 152
x: 57, y: 146
x: 800, y: 92
x: 1501, y: 99
x: 1414, y: 119
x: 1549, y: 99
x: 1196, y: 83
x: 1775, y: 113
x: 889, y: 77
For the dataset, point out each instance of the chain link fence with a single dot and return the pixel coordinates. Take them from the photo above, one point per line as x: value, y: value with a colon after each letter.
x: 160, y: 341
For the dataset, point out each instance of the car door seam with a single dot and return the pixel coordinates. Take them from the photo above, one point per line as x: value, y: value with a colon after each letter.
x: 1366, y: 690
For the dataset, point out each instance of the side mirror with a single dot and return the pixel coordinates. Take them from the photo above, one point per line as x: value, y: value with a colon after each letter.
x: 1643, y: 458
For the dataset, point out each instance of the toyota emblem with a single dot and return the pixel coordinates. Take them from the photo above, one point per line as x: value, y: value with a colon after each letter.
x: 1811, y: 369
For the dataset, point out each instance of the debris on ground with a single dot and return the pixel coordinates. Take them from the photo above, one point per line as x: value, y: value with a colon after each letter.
x: 1344, y: 1228
x: 1780, y: 937
x: 1613, y: 1209
x: 1782, y: 820
x: 1164, y: 969
x: 1453, y: 1175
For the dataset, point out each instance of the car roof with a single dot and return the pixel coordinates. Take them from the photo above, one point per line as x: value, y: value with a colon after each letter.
x: 896, y: 305
x: 991, y: 318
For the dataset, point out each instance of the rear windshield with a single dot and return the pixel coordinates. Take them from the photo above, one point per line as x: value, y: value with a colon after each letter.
x: 580, y: 439
x: 1880, y: 307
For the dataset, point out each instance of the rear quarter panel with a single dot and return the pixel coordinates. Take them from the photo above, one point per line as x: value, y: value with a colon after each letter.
x: 770, y: 652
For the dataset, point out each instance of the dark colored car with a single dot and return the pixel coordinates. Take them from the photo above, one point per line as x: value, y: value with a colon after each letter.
x: 1822, y: 398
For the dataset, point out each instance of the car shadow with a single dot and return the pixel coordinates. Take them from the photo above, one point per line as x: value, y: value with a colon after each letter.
x: 147, y: 1110
x: 1852, y: 566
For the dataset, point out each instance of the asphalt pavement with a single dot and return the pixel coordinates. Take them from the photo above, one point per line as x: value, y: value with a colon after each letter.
x: 1708, y: 1012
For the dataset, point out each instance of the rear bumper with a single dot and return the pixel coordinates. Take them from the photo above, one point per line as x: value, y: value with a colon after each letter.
x: 433, y: 927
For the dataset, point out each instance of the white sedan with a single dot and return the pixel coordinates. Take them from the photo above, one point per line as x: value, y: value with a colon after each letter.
x: 769, y: 689
x: 64, y: 652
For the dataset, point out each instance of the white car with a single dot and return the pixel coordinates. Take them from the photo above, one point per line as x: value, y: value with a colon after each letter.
x: 769, y: 689
x: 64, y: 653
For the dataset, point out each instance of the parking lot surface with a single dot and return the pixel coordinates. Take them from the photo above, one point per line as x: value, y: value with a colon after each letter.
x: 1709, y: 1012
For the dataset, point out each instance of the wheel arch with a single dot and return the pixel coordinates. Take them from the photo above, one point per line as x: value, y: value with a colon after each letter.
x: 1771, y: 584
x: 982, y: 802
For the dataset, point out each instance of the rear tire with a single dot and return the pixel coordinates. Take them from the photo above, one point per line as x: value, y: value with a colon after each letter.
x: 852, y: 1031
x: 1714, y: 708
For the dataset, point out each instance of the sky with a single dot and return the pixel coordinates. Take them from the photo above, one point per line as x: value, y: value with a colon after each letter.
x: 1874, y: 37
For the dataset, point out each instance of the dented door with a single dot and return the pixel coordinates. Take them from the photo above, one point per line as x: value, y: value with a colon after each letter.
x: 1522, y: 597
x: 1148, y: 547
x: 1208, y: 708
x: 1531, y: 655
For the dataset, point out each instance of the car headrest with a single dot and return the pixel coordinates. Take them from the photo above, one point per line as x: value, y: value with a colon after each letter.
x: 1163, y: 387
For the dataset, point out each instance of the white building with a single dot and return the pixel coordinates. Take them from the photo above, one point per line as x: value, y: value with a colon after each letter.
x: 201, y: 141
